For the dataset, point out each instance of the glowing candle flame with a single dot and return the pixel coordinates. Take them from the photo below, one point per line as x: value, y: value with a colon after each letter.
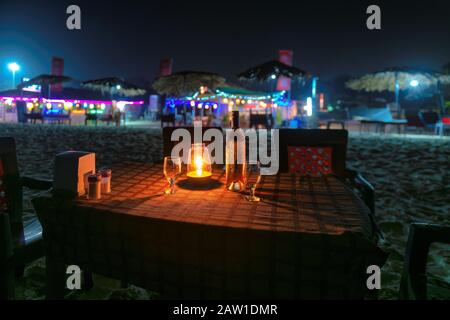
x: 199, y: 166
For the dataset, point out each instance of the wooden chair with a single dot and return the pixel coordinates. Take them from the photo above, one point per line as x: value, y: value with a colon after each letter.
x: 325, y: 152
x: 20, y: 243
x: 34, y: 117
x: 264, y: 120
x: 414, y: 282
x: 90, y: 117
x: 341, y: 123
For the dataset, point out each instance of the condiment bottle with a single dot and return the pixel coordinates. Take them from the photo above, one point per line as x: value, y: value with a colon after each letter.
x: 94, y: 189
x: 106, y: 180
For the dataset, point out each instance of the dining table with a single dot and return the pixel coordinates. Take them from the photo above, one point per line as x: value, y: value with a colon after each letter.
x: 308, y: 237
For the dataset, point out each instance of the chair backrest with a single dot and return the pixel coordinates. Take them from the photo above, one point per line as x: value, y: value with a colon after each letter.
x: 429, y: 117
x: 10, y: 183
x: 414, y: 120
x: 260, y: 119
x: 168, y: 144
x: 421, y: 236
x: 313, y: 151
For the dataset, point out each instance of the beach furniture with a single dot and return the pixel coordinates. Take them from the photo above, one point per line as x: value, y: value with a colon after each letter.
x: 167, y: 119
x: 205, y: 242
x: 58, y: 118
x: 261, y: 119
x: 377, y: 117
x: 322, y: 152
x: 108, y: 118
x: 415, y: 281
x: 335, y: 117
x: 429, y: 119
x: 414, y: 122
x: 21, y: 241
x: 34, y: 117
x: 442, y: 126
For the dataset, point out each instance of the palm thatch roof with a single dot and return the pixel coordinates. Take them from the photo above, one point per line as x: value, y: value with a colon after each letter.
x: 186, y: 83
x: 45, y: 80
x: 114, y: 85
x: 385, y: 80
x: 268, y: 70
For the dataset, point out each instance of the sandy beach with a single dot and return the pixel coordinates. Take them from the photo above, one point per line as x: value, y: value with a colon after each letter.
x: 411, y: 175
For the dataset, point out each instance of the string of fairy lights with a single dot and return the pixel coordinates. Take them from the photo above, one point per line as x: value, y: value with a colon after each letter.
x: 202, y: 100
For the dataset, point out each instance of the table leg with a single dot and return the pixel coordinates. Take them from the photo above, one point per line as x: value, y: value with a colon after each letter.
x: 55, y: 278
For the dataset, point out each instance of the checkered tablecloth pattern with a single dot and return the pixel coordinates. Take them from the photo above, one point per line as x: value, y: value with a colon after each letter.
x: 307, y: 238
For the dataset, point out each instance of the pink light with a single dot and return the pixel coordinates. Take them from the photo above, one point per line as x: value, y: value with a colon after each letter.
x: 71, y: 100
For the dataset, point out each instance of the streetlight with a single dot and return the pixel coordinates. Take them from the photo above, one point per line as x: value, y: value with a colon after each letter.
x: 14, y: 67
x: 414, y: 83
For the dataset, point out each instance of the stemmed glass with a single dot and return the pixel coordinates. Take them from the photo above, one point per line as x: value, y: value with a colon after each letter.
x: 252, y: 171
x: 172, y: 168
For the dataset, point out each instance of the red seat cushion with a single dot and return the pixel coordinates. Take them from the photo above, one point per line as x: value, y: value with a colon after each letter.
x: 311, y: 161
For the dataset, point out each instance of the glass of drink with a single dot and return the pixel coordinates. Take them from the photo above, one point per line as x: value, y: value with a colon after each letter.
x: 252, y: 171
x: 172, y: 168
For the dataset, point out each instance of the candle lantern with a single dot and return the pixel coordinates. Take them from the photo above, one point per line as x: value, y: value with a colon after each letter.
x: 199, y: 163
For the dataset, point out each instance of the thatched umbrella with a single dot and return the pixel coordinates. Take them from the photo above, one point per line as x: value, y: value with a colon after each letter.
x: 272, y: 69
x: 45, y: 80
x: 113, y: 85
x: 396, y: 79
x: 186, y: 83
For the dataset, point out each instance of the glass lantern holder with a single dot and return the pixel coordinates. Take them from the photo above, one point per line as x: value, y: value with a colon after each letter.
x: 199, y: 162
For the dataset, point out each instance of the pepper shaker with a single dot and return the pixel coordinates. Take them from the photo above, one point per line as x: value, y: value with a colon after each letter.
x: 94, y: 187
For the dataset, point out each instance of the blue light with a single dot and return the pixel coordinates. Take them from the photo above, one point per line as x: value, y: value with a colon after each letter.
x: 13, y: 66
x: 414, y: 83
x: 273, y: 77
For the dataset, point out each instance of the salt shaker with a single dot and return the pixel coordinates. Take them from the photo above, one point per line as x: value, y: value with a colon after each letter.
x: 94, y: 189
x: 106, y: 180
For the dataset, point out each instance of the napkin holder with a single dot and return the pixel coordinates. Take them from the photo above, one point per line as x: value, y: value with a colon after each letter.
x: 71, y: 171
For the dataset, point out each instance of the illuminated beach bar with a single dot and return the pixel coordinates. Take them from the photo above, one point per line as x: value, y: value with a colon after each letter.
x: 74, y: 111
x: 219, y: 102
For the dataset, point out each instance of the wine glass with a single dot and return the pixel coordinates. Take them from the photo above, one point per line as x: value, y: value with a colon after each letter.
x: 172, y: 168
x: 252, y: 172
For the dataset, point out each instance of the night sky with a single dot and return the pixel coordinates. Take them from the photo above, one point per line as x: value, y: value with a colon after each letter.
x: 128, y: 38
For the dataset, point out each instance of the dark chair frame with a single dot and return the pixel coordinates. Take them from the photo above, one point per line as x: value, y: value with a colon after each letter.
x: 108, y: 118
x: 337, y: 140
x: 34, y: 117
x: 15, y: 249
x: 265, y: 120
x: 413, y: 284
x: 424, y: 117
